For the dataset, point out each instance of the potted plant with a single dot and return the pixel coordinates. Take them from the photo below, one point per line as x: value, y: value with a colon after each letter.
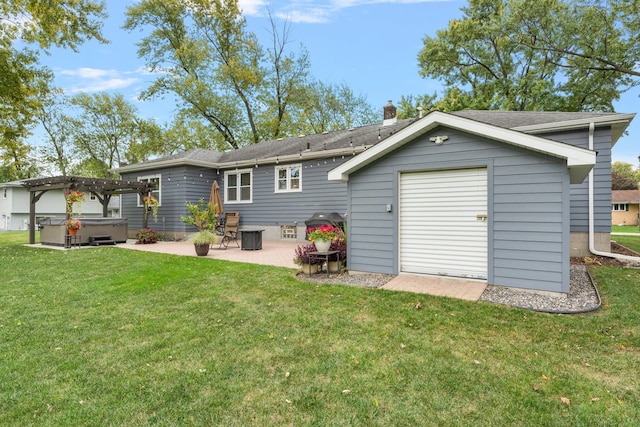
x: 202, y: 241
x: 322, y: 236
x: 151, y: 204
x: 307, y: 265
x: 146, y: 236
x: 202, y: 216
x: 73, y: 225
x: 338, y: 260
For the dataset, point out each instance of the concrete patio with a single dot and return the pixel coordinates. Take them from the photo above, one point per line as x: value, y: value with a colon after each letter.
x: 280, y: 253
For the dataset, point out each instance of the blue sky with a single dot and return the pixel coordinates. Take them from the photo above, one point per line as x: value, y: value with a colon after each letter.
x: 369, y: 45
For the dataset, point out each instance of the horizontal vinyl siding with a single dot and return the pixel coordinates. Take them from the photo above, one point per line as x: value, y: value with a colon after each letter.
x: 178, y: 185
x: 530, y: 221
x: 602, y: 181
x: 528, y: 209
x: 270, y: 208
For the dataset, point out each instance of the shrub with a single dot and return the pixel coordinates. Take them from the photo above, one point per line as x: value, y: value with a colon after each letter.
x: 302, y: 254
x: 341, y: 246
x: 146, y: 236
x: 204, y: 237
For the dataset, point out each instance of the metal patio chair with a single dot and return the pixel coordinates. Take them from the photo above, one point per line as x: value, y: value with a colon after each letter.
x: 230, y: 233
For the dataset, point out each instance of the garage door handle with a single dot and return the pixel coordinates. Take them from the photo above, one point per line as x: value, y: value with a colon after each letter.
x: 482, y: 217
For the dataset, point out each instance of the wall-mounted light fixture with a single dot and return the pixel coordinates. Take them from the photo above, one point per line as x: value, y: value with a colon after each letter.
x: 439, y: 140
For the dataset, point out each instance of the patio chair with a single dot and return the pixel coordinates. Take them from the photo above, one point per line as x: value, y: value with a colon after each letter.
x: 230, y: 234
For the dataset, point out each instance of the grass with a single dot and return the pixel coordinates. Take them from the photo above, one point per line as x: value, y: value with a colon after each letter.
x: 625, y: 229
x: 108, y: 336
x: 631, y: 242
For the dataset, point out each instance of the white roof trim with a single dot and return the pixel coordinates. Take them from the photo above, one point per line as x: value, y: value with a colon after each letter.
x: 579, y: 160
x: 618, y: 122
x: 152, y: 165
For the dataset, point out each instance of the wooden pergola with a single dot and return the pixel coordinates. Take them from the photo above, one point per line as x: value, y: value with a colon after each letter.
x: 102, y: 188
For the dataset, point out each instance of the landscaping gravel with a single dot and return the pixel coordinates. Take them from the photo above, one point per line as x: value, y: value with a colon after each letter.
x: 582, y: 297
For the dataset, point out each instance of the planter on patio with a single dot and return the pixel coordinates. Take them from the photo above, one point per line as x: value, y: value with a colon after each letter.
x: 334, y: 266
x: 310, y: 268
x: 202, y: 250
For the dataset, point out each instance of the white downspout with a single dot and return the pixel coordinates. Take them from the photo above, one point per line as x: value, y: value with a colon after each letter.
x: 591, y: 213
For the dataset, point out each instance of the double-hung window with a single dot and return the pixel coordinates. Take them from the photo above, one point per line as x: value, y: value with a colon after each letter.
x: 288, y: 178
x: 620, y: 207
x: 156, y: 192
x: 238, y: 186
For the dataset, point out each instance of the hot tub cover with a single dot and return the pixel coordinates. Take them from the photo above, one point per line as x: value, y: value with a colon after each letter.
x: 59, y: 220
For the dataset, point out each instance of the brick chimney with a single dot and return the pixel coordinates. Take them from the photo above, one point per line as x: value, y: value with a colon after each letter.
x: 389, y: 114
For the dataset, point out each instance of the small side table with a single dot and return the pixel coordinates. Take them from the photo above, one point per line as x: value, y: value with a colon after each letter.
x: 323, y: 256
x: 72, y: 241
x: 251, y: 240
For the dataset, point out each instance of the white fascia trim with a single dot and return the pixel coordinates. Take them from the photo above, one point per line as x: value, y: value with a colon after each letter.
x: 579, y: 160
x: 617, y: 122
x: 294, y: 158
x: 612, y: 119
x: 162, y: 164
x: 242, y: 163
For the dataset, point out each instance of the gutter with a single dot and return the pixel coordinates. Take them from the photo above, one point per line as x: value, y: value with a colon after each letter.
x: 592, y: 248
x: 301, y: 156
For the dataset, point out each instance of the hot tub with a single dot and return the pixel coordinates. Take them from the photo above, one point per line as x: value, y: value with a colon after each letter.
x: 53, y: 230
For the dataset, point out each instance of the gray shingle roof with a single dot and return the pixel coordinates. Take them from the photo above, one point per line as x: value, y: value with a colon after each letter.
x: 356, y: 137
x: 313, y: 146
x: 516, y: 119
x: 197, y: 154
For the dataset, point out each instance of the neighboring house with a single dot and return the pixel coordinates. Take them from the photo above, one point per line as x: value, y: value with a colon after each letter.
x: 14, y: 206
x: 498, y: 196
x: 624, y: 207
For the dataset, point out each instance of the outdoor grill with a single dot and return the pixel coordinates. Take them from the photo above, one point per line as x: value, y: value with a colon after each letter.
x: 321, y: 218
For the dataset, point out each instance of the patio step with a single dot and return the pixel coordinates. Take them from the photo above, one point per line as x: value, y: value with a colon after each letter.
x: 101, y: 240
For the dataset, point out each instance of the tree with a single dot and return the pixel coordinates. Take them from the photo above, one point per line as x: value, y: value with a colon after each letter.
x: 57, y: 152
x: 414, y: 106
x: 107, y: 133
x: 62, y: 23
x: 189, y: 130
x: 535, y: 55
x: 206, y: 57
x: 222, y: 74
x: 326, y: 107
x: 623, y: 177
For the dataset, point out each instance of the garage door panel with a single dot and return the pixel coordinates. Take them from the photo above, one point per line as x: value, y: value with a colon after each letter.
x: 440, y: 228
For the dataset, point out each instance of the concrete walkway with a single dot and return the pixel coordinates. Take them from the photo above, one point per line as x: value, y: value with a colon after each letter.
x: 470, y: 290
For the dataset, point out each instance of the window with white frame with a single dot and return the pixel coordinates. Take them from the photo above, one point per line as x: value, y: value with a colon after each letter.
x: 288, y: 178
x: 238, y: 186
x: 620, y: 207
x: 157, y: 190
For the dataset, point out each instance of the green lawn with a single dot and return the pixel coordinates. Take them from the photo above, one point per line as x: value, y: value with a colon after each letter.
x: 631, y: 242
x: 625, y: 229
x: 108, y: 336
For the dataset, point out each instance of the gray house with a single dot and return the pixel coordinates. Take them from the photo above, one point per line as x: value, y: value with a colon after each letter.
x: 505, y: 197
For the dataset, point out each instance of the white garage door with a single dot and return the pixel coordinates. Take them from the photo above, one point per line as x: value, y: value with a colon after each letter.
x: 443, y: 223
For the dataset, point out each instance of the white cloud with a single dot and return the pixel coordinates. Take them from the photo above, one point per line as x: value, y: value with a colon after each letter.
x: 251, y: 7
x: 86, y: 79
x: 306, y: 16
x: 319, y: 11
